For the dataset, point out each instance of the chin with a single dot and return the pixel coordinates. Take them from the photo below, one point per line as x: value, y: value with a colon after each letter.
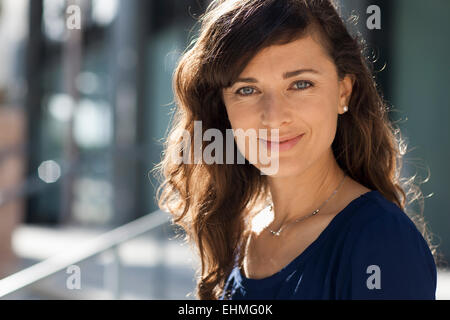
x: 282, y: 170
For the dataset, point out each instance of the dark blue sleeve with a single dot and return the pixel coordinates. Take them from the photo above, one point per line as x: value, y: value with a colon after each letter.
x: 391, y: 260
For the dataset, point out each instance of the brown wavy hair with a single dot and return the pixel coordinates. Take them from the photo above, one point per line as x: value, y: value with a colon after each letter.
x: 212, y: 203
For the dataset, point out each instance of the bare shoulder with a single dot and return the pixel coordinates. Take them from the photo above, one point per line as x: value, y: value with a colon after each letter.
x: 355, y: 187
x: 353, y: 190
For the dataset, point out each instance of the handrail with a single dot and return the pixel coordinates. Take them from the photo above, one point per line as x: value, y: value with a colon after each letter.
x: 108, y: 240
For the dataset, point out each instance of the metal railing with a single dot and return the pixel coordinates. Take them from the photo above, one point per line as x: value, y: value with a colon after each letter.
x: 107, y: 241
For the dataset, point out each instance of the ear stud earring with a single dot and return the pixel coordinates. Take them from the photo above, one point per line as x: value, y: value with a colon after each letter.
x: 345, y: 109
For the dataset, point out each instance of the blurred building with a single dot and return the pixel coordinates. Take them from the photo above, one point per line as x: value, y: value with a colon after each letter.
x: 100, y: 99
x: 83, y: 111
x: 12, y: 130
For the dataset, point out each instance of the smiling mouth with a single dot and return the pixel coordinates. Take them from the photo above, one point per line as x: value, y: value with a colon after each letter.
x: 283, y: 140
x: 283, y: 145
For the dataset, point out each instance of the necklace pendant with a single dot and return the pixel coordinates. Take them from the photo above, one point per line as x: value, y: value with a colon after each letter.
x: 275, y: 233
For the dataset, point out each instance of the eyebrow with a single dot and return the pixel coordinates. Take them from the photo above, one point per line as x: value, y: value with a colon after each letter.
x: 286, y: 75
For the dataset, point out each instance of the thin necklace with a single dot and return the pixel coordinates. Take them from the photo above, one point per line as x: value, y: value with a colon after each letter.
x: 277, y: 233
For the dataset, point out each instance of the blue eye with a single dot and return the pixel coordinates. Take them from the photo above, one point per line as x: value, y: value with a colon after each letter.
x: 242, y: 93
x: 247, y: 91
x: 305, y: 84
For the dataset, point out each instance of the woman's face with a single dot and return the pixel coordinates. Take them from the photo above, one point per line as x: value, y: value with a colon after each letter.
x: 271, y: 94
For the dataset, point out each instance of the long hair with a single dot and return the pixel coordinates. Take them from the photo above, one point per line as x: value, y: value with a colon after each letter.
x: 212, y: 202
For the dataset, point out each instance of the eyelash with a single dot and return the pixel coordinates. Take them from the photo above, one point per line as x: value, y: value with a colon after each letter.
x: 304, y: 81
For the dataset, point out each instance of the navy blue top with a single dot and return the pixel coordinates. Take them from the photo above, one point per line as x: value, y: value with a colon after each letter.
x: 369, y: 250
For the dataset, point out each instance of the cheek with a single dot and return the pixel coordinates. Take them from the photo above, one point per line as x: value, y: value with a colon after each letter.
x: 242, y: 117
x: 325, y: 129
x: 321, y: 118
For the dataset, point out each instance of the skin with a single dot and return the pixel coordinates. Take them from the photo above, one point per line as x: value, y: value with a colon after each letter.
x: 308, y: 103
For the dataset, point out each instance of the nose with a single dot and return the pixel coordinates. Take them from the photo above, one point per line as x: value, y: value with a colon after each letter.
x: 275, y: 111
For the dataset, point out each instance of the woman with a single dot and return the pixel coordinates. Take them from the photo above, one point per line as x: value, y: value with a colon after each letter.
x: 329, y: 223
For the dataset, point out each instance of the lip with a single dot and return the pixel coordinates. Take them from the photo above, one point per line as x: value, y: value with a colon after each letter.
x: 283, y: 145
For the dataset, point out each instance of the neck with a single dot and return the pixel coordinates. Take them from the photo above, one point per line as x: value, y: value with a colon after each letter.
x: 299, y: 195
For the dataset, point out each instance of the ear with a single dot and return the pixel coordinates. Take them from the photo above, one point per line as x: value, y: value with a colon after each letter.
x: 345, y: 91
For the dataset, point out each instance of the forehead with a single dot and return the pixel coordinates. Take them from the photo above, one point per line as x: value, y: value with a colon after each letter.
x: 306, y: 52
